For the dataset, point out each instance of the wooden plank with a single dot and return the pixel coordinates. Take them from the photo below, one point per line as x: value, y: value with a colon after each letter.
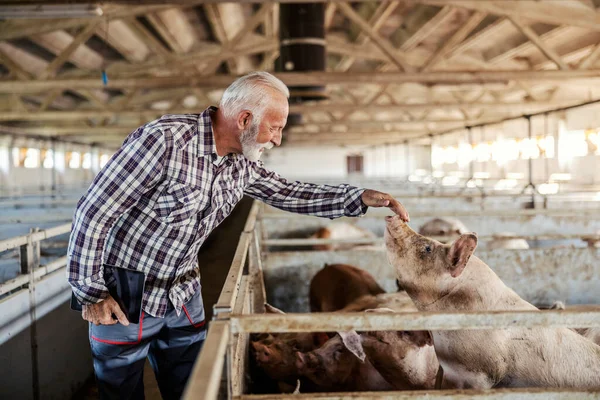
x: 497, y: 107
x: 461, y: 33
x: 81, y: 57
x: 462, y: 394
x: 591, y: 58
x: 15, y: 242
x: 554, y: 12
x: 335, y: 321
x: 14, y: 67
x: 376, y: 22
x: 441, y: 18
x: 535, y: 39
x: 301, y: 78
x: 146, y: 36
x: 205, y: 378
x: 383, y: 44
x: 229, y: 294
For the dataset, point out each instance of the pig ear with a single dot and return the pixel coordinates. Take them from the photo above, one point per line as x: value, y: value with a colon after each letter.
x: 352, y: 341
x: 461, y: 250
x: 420, y: 338
x: 269, y: 309
x: 300, y: 361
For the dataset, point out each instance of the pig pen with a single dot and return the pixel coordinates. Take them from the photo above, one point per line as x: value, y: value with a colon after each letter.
x: 282, y: 278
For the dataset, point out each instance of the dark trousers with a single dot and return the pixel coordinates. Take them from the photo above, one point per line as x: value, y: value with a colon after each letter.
x: 171, y: 343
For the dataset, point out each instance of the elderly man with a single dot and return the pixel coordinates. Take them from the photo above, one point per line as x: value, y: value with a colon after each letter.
x: 151, y: 208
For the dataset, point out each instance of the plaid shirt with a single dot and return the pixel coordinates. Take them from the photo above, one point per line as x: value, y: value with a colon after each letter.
x: 158, y: 198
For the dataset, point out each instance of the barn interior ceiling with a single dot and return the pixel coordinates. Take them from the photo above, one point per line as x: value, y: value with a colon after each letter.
x: 394, y: 69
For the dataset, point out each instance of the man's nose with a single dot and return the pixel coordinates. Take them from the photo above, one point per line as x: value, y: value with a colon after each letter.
x: 277, y: 138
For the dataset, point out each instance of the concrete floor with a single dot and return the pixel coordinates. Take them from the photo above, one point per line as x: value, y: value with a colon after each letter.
x: 214, y: 258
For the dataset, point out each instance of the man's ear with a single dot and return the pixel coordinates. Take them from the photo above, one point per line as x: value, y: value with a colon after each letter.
x: 244, y: 119
x: 459, y: 253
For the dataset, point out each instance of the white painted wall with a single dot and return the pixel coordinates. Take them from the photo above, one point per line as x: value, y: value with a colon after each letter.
x: 330, y: 161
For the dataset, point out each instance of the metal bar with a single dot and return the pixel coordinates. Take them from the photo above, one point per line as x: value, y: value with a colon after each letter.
x: 325, y: 322
x: 378, y: 240
x: 205, y: 379
x: 581, y: 213
x: 50, y: 267
x: 17, y: 241
x: 462, y: 394
x: 12, y: 284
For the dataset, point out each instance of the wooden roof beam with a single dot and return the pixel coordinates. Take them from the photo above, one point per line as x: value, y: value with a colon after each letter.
x: 86, y: 58
x: 119, y: 36
x: 381, y: 14
x: 549, y: 12
x: 535, y: 39
x: 174, y: 27
x: 240, y: 35
x: 461, y: 33
x: 383, y: 44
x: 154, y: 45
x: 498, y: 107
x: 17, y: 28
x: 591, y: 58
x: 430, y: 26
x: 15, y: 69
x: 303, y: 78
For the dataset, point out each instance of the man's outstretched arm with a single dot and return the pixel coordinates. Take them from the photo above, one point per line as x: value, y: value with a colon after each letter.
x: 320, y: 200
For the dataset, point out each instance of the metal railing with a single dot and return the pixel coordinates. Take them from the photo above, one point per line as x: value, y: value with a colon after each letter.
x: 239, y: 312
x: 29, y: 256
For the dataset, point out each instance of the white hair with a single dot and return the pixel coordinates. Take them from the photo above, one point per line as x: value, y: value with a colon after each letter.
x: 247, y: 93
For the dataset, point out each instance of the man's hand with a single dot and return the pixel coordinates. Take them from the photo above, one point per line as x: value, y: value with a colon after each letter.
x: 373, y: 198
x: 101, y: 313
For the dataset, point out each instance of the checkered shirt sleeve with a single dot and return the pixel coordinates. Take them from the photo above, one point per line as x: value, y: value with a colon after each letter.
x: 134, y: 169
x: 305, y: 198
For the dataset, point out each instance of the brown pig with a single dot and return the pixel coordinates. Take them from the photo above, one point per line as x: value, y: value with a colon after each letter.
x: 398, y: 302
x: 340, y: 365
x: 448, y: 277
x: 274, y: 354
x: 337, y: 285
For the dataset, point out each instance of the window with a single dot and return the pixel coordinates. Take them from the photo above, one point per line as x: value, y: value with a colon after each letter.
x: 19, y: 155
x: 32, y: 158
x: 103, y: 160
x: 48, y: 159
x: 354, y: 164
x: 74, y: 159
x: 87, y: 161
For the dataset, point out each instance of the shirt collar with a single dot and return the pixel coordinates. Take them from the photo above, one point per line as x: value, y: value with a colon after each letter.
x: 206, y: 140
x: 207, y: 145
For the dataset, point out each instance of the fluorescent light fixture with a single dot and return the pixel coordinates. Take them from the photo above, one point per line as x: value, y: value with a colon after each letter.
x: 51, y: 11
x: 438, y: 174
x: 481, y: 175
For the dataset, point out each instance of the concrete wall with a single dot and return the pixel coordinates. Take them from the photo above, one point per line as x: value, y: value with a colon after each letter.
x: 540, y: 276
x: 63, y: 355
x: 64, y: 358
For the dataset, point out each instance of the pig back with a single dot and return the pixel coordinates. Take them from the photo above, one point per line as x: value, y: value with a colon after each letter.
x: 337, y: 285
x: 398, y: 302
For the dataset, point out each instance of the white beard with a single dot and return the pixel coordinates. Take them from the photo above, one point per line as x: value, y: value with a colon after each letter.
x: 250, y: 148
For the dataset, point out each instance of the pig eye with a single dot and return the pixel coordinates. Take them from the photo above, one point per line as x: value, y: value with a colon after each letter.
x: 428, y: 249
